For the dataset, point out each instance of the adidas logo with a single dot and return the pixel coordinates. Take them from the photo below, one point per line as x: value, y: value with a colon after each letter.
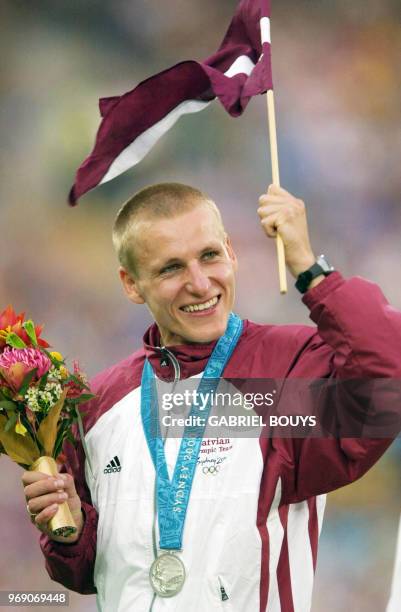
x: 113, y: 466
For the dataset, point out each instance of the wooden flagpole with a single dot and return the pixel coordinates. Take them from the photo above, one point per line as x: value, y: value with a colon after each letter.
x: 276, y: 181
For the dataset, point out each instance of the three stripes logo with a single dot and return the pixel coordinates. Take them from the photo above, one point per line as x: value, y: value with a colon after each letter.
x: 113, y: 466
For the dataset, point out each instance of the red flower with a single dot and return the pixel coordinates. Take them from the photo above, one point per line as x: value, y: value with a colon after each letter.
x: 11, y: 322
x: 61, y: 459
x: 75, y: 389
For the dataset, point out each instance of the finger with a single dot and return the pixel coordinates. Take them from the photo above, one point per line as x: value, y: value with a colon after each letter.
x: 273, y: 199
x: 282, y: 214
x: 68, y: 484
x: 288, y: 210
x: 30, y: 477
x: 267, y: 200
x: 270, y: 224
x: 37, y: 504
x: 277, y: 190
x: 269, y: 209
x: 42, y: 519
x: 43, y: 486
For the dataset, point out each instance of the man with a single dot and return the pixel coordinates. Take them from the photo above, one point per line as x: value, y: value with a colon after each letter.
x: 249, y: 540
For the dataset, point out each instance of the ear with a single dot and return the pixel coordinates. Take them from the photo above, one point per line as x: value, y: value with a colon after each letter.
x: 231, y: 252
x: 130, y: 286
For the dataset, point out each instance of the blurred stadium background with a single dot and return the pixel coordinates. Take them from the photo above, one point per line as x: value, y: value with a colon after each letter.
x: 336, y: 79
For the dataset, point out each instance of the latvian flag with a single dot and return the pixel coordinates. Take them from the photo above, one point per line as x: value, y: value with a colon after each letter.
x: 132, y: 123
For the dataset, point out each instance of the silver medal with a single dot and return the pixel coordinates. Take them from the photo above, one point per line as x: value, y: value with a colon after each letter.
x: 167, y: 575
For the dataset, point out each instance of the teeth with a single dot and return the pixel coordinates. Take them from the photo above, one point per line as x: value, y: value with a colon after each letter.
x: 204, y: 306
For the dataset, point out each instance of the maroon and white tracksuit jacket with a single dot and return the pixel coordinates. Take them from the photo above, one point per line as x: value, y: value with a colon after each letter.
x: 252, y: 526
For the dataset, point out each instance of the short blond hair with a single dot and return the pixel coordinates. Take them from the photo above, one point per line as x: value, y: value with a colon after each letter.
x: 162, y: 200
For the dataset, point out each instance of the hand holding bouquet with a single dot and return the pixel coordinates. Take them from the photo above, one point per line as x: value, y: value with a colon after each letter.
x: 39, y: 401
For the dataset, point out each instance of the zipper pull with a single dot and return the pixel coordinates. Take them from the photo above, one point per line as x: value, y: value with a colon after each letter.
x: 224, y: 595
x: 168, y: 358
x: 164, y: 361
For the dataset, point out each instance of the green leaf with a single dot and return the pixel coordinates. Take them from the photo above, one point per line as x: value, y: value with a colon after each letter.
x: 30, y: 330
x: 15, y: 341
x: 84, y: 397
x: 57, y: 447
x: 43, y: 381
x: 71, y: 438
x: 6, y: 392
x: 27, y: 381
x: 61, y: 435
x: 11, y: 422
x: 7, y: 405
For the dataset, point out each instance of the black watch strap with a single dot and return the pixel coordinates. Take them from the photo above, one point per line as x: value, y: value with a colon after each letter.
x: 321, y: 266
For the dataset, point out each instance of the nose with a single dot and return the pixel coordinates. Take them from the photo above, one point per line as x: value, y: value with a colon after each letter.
x: 197, y: 282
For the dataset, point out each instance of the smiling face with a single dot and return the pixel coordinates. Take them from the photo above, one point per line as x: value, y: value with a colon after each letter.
x: 185, y: 273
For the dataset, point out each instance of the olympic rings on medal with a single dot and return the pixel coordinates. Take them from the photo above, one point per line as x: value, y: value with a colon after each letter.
x: 212, y: 469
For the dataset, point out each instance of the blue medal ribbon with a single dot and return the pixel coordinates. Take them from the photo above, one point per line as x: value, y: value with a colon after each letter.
x: 173, y: 496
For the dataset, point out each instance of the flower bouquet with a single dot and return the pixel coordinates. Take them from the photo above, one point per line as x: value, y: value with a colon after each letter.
x: 39, y: 401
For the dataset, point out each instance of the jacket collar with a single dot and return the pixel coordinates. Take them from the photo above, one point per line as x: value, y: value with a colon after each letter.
x: 191, y: 358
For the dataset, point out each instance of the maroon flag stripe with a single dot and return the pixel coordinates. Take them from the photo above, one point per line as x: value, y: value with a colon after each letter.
x: 132, y: 123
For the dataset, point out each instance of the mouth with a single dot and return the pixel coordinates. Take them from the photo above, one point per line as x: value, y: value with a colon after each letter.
x: 203, y: 308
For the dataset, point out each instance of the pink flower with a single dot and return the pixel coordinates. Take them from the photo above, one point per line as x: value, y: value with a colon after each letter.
x: 16, y: 363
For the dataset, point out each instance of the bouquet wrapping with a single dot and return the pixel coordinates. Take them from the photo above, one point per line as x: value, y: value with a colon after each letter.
x: 39, y: 403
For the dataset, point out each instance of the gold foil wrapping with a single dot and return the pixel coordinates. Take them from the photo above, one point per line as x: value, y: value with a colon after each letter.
x: 62, y: 524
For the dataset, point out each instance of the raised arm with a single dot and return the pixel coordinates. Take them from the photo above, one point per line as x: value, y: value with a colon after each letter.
x: 358, y: 340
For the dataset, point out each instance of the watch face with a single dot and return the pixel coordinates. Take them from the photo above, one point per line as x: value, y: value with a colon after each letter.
x: 324, y: 264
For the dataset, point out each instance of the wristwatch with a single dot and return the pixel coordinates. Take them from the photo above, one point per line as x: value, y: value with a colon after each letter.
x: 321, y: 266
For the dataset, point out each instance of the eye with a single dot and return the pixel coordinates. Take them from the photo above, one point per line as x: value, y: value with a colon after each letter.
x: 170, y: 268
x: 210, y: 254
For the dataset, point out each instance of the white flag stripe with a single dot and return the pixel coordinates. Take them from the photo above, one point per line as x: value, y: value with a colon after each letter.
x: 300, y: 555
x: 320, y: 508
x: 265, y: 30
x: 276, y: 535
x: 243, y: 64
x: 137, y: 150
